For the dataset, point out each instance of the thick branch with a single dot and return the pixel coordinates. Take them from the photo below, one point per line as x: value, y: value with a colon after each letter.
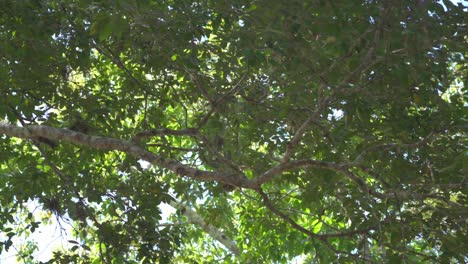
x: 215, y: 233
x: 103, y: 143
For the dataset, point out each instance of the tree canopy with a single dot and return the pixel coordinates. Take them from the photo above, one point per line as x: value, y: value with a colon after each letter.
x: 315, y: 131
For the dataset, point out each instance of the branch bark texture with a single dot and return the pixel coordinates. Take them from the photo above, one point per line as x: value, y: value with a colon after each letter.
x: 129, y: 147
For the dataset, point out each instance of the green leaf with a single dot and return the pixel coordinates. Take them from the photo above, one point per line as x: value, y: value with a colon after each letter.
x: 268, y: 121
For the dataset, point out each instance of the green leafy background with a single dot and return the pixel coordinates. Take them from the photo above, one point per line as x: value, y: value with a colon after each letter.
x: 248, y: 74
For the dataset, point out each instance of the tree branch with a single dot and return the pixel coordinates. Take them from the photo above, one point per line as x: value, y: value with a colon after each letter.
x: 367, y: 62
x: 217, y: 102
x: 366, y: 151
x: 303, y: 128
x: 215, y: 233
x: 321, y: 237
x: 286, y: 218
x: 128, y: 147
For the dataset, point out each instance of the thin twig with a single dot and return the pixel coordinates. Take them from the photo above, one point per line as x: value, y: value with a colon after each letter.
x: 378, y: 147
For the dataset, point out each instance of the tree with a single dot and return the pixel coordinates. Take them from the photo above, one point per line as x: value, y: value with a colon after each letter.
x: 326, y: 131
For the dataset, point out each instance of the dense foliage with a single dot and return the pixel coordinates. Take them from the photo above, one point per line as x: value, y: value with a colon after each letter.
x: 316, y: 131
